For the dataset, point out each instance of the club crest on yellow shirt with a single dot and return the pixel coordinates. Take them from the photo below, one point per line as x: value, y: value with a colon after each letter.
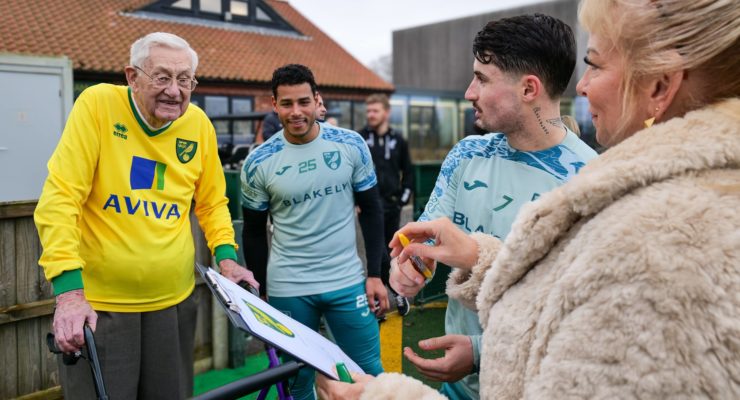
x: 267, y: 320
x: 185, y: 150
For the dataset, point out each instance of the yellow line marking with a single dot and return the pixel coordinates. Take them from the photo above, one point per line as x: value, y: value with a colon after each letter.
x: 434, y: 304
x: 391, y: 336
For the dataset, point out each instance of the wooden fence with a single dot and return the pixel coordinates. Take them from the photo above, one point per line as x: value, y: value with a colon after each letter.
x: 27, y: 369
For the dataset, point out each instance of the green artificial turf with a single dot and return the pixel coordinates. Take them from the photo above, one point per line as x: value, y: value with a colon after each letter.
x: 422, y: 324
x: 217, y: 378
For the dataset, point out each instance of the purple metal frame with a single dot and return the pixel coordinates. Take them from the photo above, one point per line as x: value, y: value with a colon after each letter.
x: 283, y: 392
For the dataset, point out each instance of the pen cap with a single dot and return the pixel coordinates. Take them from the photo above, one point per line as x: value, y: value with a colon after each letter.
x: 343, y: 372
x: 404, y: 240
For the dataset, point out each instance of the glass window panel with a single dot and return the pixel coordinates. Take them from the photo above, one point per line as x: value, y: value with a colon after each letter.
x: 241, y: 106
x: 213, y: 6
x: 422, y: 138
x: 342, y: 110
x: 184, y: 4
x: 243, y: 130
x: 446, y: 123
x: 197, y: 99
x: 466, y: 124
x: 398, y: 114
x: 421, y: 100
x: 239, y: 8
x: 359, y: 116
x: 218, y: 105
x: 262, y: 15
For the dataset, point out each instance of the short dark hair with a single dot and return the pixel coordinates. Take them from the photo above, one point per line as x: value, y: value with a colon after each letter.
x: 534, y: 44
x: 292, y: 74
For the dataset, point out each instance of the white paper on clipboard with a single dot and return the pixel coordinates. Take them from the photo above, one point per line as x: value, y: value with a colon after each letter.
x: 283, y: 332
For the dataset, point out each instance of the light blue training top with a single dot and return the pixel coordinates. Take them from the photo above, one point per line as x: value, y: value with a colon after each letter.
x: 481, y: 186
x: 309, y: 190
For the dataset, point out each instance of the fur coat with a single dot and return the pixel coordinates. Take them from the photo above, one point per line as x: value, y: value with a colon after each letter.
x: 623, y: 283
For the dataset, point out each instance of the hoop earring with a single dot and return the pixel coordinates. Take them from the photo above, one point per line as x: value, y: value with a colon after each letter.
x: 650, y: 121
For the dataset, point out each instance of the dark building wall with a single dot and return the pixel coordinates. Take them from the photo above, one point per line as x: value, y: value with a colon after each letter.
x: 439, y: 56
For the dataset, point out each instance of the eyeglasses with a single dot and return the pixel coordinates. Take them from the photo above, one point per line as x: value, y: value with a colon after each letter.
x: 161, y: 81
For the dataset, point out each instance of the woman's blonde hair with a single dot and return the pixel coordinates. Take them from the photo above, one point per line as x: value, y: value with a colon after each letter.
x: 571, y: 124
x: 658, y: 36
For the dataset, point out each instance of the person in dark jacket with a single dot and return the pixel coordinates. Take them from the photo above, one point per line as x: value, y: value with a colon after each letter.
x: 390, y: 154
x: 270, y: 125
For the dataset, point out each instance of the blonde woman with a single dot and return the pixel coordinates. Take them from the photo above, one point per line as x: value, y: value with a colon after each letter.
x: 624, y: 282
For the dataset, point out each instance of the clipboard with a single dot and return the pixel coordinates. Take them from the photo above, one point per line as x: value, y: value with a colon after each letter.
x: 254, y: 316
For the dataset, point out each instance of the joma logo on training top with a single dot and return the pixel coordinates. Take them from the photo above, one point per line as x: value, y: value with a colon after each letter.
x: 141, y: 207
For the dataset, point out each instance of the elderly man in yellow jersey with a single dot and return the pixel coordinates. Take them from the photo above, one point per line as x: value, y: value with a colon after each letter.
x: 113, y: 222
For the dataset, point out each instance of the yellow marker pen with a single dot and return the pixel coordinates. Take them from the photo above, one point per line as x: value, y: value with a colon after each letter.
x: 416, y: 260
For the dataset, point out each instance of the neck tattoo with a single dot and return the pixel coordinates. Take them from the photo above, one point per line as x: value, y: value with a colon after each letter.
x: 539, y: 119
x: 556, y: 122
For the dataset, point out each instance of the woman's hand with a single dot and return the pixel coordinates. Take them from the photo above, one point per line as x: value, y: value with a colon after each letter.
x: 452, y: 246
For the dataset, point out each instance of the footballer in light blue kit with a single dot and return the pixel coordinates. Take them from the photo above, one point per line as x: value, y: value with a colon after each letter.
x: 522, y: 66
x: 307, y: 189
x: 481, y: 186
x: 308, y: 177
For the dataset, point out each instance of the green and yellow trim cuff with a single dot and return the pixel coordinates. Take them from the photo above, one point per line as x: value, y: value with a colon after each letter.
x: 67, y: 281
x: 225, y: 251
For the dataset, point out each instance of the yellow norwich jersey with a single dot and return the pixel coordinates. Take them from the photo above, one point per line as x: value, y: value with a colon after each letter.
x: 117, y: 200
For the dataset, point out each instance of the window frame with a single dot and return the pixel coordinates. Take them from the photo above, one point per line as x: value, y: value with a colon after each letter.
x: 277, y: 22
x: 200, y: 101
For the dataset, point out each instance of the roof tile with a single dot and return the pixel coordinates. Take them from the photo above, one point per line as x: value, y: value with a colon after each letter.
x: 96, y: 35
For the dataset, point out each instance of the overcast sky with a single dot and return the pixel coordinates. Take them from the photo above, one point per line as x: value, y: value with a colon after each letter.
x: 364, y: 27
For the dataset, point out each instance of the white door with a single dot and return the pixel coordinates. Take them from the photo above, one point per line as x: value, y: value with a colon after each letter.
x: 32, y: 113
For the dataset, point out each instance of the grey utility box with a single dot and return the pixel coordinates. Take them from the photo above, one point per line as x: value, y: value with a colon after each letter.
x: 35, y: 99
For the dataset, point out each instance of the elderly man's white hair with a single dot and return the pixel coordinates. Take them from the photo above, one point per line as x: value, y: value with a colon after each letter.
x: 140, y: 48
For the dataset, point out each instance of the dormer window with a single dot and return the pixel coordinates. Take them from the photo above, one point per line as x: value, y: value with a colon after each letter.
x: 245, y: 12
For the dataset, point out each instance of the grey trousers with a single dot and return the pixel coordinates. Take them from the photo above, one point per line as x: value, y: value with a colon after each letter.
x: 146, y: 355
